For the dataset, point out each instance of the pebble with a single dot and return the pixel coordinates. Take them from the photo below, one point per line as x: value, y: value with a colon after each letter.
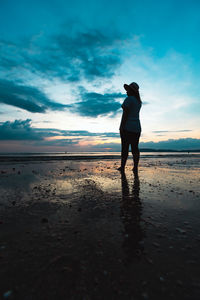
x: 7, y: 294
x: 162, y: 279
x: 156, y: 245
x: 145, y: 296
x: 179, y: 282
x: 180, y: 230
x: 191, y: 262
x: 196, y: 285
x: 186, y: 223
x: 149, y: 260
x: 44, y: 220
x: 141, y: 243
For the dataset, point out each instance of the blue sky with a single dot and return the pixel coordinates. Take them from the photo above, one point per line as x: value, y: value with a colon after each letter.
x: 63, y: 65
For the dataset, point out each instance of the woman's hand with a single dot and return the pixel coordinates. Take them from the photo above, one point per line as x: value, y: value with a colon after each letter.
x: 123, y: 121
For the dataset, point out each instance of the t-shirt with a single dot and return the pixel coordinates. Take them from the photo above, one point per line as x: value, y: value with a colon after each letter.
x: 133, y: 106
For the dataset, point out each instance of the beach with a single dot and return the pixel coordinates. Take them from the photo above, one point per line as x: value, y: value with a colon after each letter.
x: 76, y: 228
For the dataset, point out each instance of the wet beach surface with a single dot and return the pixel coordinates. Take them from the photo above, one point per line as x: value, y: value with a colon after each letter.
x: 81, y: 230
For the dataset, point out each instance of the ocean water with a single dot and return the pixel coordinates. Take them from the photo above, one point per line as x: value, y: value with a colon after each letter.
x: 46, y: 156
x: 94, y: 153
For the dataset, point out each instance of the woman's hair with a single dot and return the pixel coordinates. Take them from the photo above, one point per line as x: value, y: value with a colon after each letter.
x: 137, y: 95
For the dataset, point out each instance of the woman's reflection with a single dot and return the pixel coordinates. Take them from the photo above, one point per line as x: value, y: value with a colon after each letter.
x: 131, y: 210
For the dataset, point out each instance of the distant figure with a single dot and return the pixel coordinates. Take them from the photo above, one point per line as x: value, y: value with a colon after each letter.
x: 130, y: 128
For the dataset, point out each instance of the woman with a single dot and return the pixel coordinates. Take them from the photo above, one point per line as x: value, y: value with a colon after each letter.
x: 130, y: 128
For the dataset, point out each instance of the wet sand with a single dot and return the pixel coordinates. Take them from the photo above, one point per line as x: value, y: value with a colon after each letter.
x: 81, y: 230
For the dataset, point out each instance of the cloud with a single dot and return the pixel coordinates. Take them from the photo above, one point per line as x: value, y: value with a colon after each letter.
x: 33, y: 100
x: 161, y: 131
x: 18, y: 130
x: 68, y: 55
x: 179, y: 144
x: 84, y: 133
x: 94, y: 104
x: 59, y: 143
x: 23, y: 130
x: 26, y: 97
x: 91, y: 54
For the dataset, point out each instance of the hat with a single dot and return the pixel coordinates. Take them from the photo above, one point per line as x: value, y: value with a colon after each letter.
x: 134, y: 86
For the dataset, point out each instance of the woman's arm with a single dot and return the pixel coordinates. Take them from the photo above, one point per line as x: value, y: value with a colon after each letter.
x: 123, y: 120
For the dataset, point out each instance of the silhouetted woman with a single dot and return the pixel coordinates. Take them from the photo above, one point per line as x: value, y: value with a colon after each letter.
x: 130, y: 128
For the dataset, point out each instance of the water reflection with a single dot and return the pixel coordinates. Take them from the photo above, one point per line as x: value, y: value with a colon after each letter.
x: 131, y: 210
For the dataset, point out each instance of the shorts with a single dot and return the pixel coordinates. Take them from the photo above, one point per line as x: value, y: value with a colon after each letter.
x: 130, y: 137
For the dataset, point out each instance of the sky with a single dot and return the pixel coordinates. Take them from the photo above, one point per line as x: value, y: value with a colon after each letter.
x: 63, y: 65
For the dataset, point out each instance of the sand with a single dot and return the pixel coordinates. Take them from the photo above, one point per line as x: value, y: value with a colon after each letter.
x: 78, y: 229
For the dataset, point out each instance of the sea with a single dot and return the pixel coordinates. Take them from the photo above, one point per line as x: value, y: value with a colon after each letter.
x: 47, y: 156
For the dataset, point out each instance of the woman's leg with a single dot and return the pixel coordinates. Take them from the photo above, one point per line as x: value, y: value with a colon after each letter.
x: 135, y: 150
x: 124, y: 150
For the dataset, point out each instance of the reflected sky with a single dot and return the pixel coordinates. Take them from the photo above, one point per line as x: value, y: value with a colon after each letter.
x: 167, y: 182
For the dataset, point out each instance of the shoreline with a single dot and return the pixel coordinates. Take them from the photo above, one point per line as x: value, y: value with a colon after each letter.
x: 29, y: 158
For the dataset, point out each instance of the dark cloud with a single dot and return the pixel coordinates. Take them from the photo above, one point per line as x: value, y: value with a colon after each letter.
x: 161, y: 131
x: 70, y: 56
x: 23, y: 130
x: 172, y: 144
x: 90, y: 54
x: 33, y: 100
x: 59, y: 143
x: 94, y: 104
x: 110, y: 134
x: 26, y: 97
x: 18, y: 130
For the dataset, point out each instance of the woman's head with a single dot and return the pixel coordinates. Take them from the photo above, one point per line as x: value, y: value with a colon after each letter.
x: 132, y: 89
